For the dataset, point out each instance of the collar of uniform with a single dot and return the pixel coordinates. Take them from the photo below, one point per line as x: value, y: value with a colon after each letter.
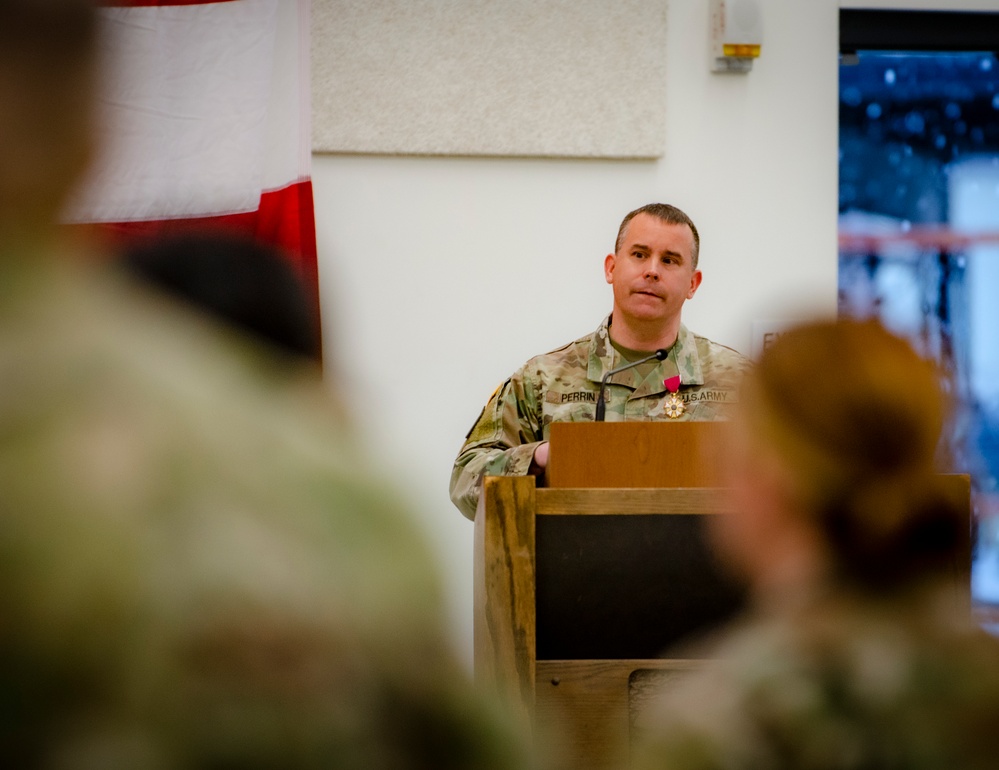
x: 683, y: 360
x: 602, y: 357
x: 688, y: 363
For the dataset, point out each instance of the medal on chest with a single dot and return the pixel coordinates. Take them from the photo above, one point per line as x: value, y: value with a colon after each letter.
x: 673, y: 406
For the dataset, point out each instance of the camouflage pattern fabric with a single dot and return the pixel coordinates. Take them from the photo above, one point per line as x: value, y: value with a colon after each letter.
x: 842, y: 684
x: 197, y: 568
x: 562, y: 386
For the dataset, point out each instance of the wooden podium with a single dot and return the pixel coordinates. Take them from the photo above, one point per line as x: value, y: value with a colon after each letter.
x: 582, y: 585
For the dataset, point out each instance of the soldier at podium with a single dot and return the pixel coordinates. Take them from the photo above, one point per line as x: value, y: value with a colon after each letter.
x: 651, y: 366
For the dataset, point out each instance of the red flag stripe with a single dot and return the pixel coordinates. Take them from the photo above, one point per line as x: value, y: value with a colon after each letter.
x: 285, y: 219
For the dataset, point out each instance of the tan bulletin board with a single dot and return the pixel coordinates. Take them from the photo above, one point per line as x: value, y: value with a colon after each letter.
x: 551, y: 78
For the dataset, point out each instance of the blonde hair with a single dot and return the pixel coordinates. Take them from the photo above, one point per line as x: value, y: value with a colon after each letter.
x: 855, y: 415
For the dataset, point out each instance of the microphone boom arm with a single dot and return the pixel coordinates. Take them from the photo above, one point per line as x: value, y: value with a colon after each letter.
x: 659, y: 355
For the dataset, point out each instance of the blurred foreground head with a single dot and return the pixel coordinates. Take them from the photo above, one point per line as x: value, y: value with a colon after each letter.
x: 235, y: 279
x: 833, y: 473
x: 48, y: 74
x: 856, y: 653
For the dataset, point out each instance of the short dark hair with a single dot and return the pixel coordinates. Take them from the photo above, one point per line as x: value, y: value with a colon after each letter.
x: 51, y: 32
x: 49, y: 60
x: 671, y: 215
x: 235, y: 279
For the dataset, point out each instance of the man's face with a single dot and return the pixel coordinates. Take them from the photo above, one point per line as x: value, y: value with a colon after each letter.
x: 652, y: 272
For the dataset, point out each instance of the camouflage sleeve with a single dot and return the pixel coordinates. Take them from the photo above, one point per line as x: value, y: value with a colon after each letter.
x: 501, y: 443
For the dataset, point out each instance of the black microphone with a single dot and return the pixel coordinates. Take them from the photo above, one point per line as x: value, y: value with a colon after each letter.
x: 659, y: 355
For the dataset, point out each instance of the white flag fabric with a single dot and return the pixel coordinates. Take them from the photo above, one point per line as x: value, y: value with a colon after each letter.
x: 206, y: 120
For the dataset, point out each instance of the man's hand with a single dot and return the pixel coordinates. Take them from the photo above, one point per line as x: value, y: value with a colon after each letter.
x: 540, y: 460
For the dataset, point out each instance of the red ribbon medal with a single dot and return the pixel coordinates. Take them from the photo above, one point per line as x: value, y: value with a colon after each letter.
x: 673, y: 407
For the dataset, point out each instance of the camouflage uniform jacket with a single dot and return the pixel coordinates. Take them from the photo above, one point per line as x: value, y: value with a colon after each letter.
x: 842, y: 683
x: 562, y: 386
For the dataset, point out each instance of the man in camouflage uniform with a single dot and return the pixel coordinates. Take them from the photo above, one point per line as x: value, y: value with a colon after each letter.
x: 653, y: 271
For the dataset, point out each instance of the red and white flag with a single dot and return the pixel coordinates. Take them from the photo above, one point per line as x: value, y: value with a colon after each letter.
x: 206, y: 118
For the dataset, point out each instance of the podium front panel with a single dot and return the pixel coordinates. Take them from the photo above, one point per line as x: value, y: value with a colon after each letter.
x: 620, y: 587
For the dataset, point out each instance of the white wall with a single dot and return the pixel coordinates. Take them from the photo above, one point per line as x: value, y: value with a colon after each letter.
x: 439, y: 276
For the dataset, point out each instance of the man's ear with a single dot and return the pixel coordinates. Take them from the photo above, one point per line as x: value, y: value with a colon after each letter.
x: 695, y: 281
x: 609, y: 268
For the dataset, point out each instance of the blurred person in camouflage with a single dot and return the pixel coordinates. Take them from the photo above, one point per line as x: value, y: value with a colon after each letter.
x: 653, y: 271
x: 859, y: 650
x: 196, y: 569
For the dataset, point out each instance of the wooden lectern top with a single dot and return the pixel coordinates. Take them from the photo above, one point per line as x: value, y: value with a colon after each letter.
x: 636, y: 454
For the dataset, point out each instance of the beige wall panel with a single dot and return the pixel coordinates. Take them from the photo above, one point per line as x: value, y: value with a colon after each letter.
x: 541, y: 78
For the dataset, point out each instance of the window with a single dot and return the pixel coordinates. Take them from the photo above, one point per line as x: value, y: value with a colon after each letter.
x: 919, y: 220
